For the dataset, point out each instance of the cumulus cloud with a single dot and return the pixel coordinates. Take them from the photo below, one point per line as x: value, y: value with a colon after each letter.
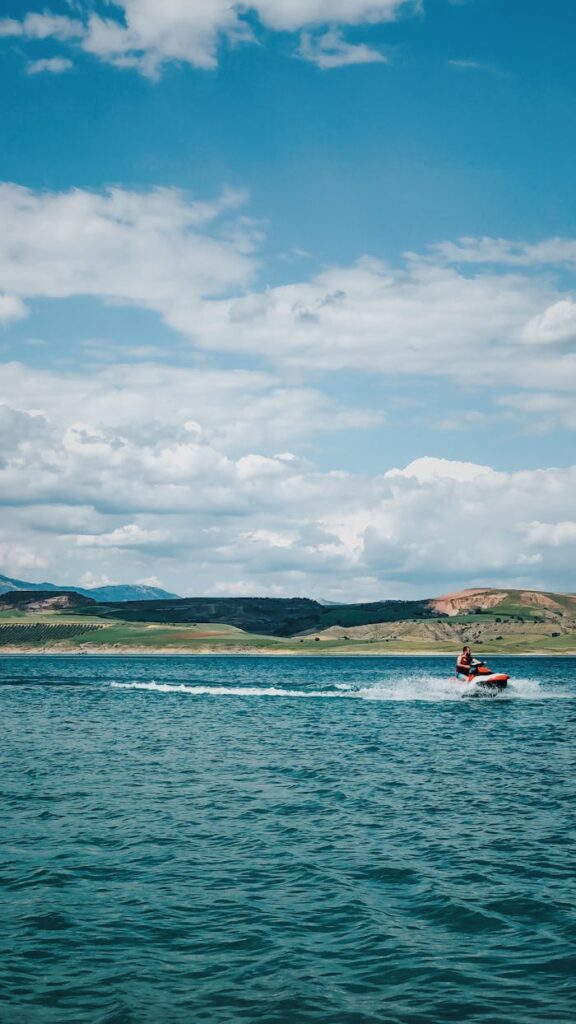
x: 11, y: 308
x: 15, y: 558
x: 128, y: 536
x: 42, y: 26
x: 53, y: 65
x: 194, y: 264
x: 154, y: 249
x: 423, y: 318
x: 153, y: 404
x: 556, y: 324
x: 131, y: 498
x: 18, y: 427
x: 330, y: 50
x: 427, y: 470
x: 89, y: 579
x: 551, y: 534
x: 146, y: 33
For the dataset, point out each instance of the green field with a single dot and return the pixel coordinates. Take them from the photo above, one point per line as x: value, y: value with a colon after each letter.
x: 45, y: 632
x: 487, y: 632
x: 491, y: 622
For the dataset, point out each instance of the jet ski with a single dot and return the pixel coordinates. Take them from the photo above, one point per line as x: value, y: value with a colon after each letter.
x: 485, y: 678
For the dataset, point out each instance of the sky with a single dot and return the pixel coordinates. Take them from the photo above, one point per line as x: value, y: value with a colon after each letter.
x: 287, y: 295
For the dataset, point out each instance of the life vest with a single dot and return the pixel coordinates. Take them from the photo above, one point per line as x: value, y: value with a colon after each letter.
x: 464, y: 662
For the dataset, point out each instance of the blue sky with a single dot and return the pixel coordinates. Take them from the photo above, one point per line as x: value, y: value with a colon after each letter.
x: 337, y: 239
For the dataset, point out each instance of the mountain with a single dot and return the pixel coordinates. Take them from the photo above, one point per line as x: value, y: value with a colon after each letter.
x: 121, y: 592
x: 128, y: 592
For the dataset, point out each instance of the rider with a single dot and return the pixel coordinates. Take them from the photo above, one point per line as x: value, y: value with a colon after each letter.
x: 466, y: 665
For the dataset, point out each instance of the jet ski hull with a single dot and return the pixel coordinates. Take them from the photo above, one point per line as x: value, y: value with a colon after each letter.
x: 495, y: 681
x: 487, y: 680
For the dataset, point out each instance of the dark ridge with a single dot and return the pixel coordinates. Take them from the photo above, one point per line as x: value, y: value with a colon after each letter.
x: 45, y: 600
x: 268, y: 616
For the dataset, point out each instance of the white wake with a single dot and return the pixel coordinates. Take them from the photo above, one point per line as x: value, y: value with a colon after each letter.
x: 414, y: 687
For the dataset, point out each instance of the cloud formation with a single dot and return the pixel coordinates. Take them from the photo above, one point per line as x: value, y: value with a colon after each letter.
x: 426, y: 318
x: 11, y: 308
x: 52, y: 65
x: 123, y: 477
x: 154, y: 249
x: 479, y: 312
x: 330, y: 50
x: 147, y: 33
x: 42, y: 26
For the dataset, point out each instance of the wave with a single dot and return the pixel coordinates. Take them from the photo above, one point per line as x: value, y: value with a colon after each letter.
x: 415, y: 687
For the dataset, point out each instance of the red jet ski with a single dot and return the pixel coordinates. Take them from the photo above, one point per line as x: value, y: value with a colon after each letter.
x: 485, y: 678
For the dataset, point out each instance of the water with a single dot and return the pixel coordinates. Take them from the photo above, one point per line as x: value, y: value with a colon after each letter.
x: 285, y: 841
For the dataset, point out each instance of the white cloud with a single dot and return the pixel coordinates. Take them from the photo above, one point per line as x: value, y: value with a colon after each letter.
x: 150, y: 33
x: 14, y: 558
x: 53, y: 65
x: 473, y: 65
x: 330, y: 50
x: 428, y: 469
x: 153, y: 249
x: 422, y: 319
x: 541, y: 412
x: 551, y: 534
x: 11, y: 308
x: 128, y: 536
x: 233, y: 411
x: 193, y: 263
x: 18, y: 427
x: 150, y: 581
x: 291, y: 15
x: 556, y: 324
x: 244, y: 588
x: 558, y: 251
x: 131, y: 499
x: 90, y: 579
x: 42, y: 26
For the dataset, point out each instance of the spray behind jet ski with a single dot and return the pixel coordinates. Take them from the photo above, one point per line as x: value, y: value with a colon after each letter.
x: 482, y: 676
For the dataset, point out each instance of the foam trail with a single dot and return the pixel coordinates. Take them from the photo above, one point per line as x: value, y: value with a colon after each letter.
x: 407, y: 687
x: 227, y: 691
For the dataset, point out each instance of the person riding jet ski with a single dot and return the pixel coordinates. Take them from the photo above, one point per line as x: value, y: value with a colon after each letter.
x: 478, y: 673
x: 466, y: 665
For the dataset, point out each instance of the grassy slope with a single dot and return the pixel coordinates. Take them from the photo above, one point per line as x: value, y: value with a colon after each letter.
x: 510, y: 628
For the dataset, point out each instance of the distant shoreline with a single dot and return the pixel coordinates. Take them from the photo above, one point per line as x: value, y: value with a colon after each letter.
x: 174, y: 653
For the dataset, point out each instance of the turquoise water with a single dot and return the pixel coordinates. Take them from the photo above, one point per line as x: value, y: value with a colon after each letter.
x: 285, y: 841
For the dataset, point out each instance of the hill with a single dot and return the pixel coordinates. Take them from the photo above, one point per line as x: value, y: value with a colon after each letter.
x: 491, y: 621
x: 277, y: 616
x: 119, y: 592
x: 44, y: 601
x: 267, y: 616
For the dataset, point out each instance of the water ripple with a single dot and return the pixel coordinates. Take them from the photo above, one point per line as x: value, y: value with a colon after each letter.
x: 177, y: 849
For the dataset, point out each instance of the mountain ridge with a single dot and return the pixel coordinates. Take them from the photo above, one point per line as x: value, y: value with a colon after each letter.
x: 114, y: 592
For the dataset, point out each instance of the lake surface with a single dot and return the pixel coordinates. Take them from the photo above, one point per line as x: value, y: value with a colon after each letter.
x: 285, y: 841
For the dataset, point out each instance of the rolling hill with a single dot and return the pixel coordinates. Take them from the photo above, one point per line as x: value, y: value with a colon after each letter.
x: 505, y: 621
x: 276, y: 616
